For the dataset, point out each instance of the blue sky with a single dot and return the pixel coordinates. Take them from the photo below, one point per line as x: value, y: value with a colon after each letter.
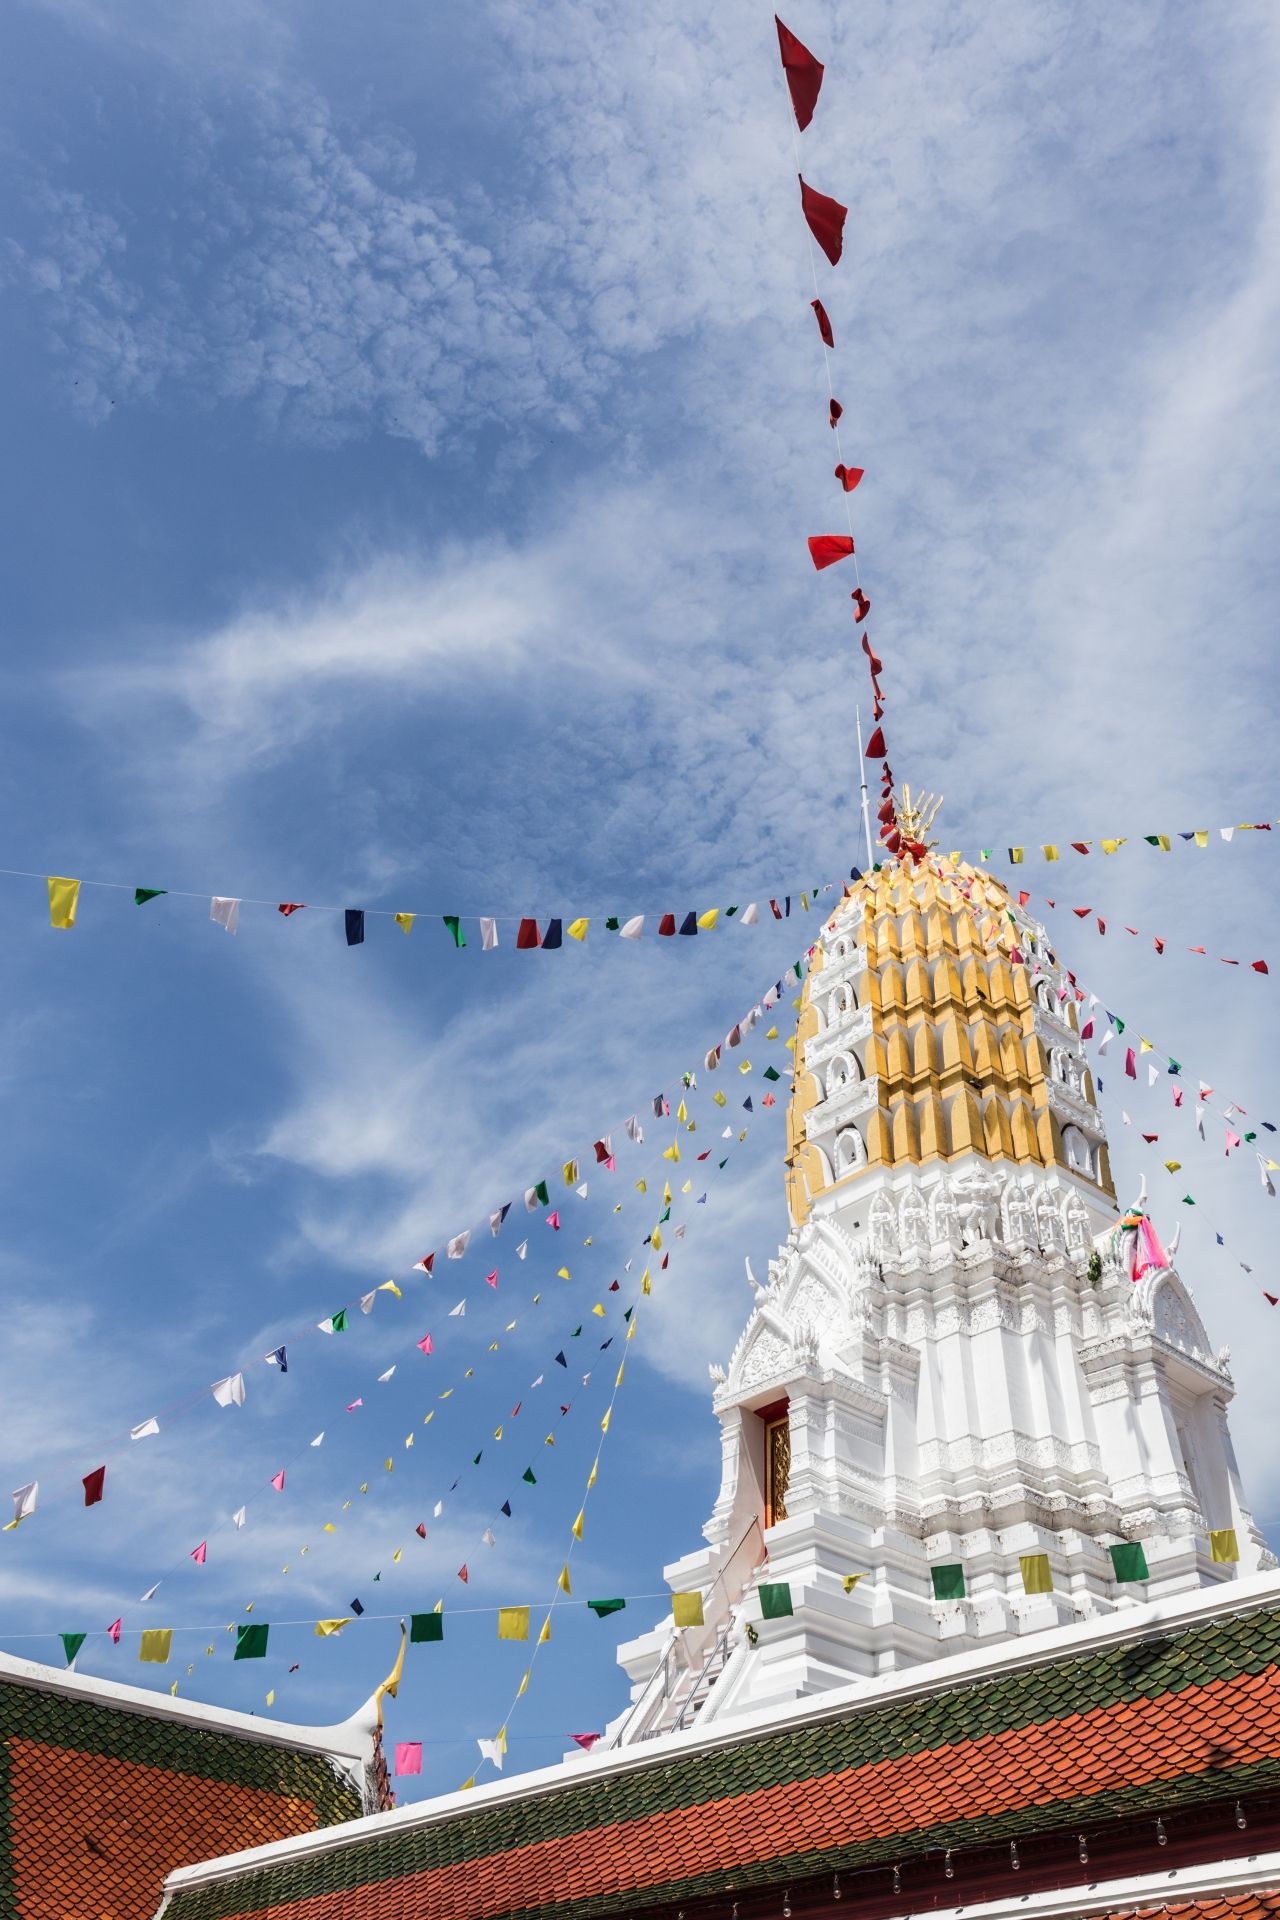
x: 413, y: 423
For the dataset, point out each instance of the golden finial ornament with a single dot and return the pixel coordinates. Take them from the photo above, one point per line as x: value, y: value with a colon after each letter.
x: 913, y: 819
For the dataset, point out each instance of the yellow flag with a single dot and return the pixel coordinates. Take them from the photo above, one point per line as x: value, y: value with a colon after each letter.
x: 618, y: 1381
x: 631, y: 1330
x: 666, y: 1193
x: 642, y: 1186
x: 470, y: 1782
x: 851, y: 1580
x: 438, y: 1607
x: 591, y: 1478
x: 525, y: 1681
x: 577, y: 929
x: 804, y: 901
x: 719, y: 1098
x: 545, y: 1634
x: 391, y: 1684
x: 645, y: 1286
x: 1202, y: 837
x: 1223, y: 1545
x: 1174, y: 1166
x: 772, y: 1034
x: 550, y: 1440
x: 405, y: 921
x: 655, y: 1239
x: 576, y: 1528
x: 672, y: 1152
x: 63, y: 895
x: 1015, y: 854
x: 598, y: 1309
x: 563, y: 1581
x: 1144, y: 1046
x: 604, y: 1424
x: 1110, y: 846
x: 271, y: 1698
x: 390, y: 1465
x: 156, y: 1642
x: 687, y: 1187
x: 513, y: 1623
x: 570, y: 1172
x: 1164, y: 843
x: 686, y: 1609
x: 1050, y: 852
x: 325, y: 1629
x: 708, y: 919
x: 329, y: 1527
x: 173, y: 1690
x: 389, y: 1286
x: 1036, y: 1574
x: 397, y: 1553
x: 744, y: 1066
x: 682, y: 1112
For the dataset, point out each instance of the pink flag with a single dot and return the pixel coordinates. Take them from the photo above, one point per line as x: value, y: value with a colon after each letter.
x: 114, y: 1630
x: 408, y: 1756
x: 199, y: 1553
x: 553, y: 1220
x: 463, y: 1575
x: 354, y: 1404
x: 585, y: 1740
x: 491, y: 1279
x: 1233, y: 1140
x: 1177, y: 1096
x: 425, y: 1344
x: 1130, y: 1065
x: 277, y: 1481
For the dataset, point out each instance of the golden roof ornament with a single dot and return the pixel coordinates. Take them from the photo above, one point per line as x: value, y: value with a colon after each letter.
x: 912, y: 821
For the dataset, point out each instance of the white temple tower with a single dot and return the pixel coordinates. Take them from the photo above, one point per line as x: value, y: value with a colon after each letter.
x: 948, y: 1363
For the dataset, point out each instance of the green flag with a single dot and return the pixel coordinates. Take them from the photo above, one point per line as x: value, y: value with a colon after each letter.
x: 454, y: 924
x: 71, y: 1645
x: 775, y: 1600
x: 948, y: 1582
x: 141, y: 895
x: 426, y: 1626
x: 771, y: 1073
x: 601, y: 1607
x: 339, y: 1320
x: 1129, y: 1561
x: 251, y: 1640
x: 541, y: 1190
x: 530, y: 1476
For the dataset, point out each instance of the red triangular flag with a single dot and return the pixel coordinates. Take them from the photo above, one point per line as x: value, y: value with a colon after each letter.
x: 1082, y: 913
x: 863, y: 605
x: 849, y: 476
x: 824, y: 325
x: 287, y: 907
x: 885, y: 814
x: 1274, y: 1298
x: 667, y: 924
x: 834, y: 411
x: 421, y: 1531
x: 585, y: 1740
x: 875, y: 745
x: 804, y: 74
x: 93, y: 1484
x: 463, y: 1575
x: 826, y: 219
x: 825, y: 549
x: 1259, y: 966
x: 528, y: 935
x: 877, y: 665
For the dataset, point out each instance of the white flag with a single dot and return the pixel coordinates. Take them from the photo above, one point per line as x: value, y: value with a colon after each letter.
x: 488, y: 1537
x: 437, y: 1510
x: 750, y: 915
x: 635, y: 1131
x: 522, y: 1250
x: 148, y: 1426
x: 229, y: 1392
x: 1200, y: 1121
x: 150, y: 1593
x: 24, y: 1500
x: 1268, y: 1187
x: 1226, y: 832
x: 582, y: 1191
x: 238, y: 1517
x: 319, y: 1437
x: 456, y: 1313
x: 535, y: 1383
x: 385, y: 1376
x: 456, y: 1247
x: 632, y: 929
x: 225, y: 912
x: 493, y: 1750
x: 1153, y: 1074
x: 488, y: 935
x: 367, y: 1300
x: 495, y: 1222
x: 1106, y: 1039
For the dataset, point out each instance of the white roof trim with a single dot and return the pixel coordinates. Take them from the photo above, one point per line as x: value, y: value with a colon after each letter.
x: 1142, y: 1890
x: 1143, y: 1621
x: 349, y: 1740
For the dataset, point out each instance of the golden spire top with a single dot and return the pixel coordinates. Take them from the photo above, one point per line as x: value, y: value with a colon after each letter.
x: 913, y: 819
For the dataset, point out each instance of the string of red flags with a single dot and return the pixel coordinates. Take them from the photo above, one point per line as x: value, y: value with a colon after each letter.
x: 1101, y: 923
x: 536, y: 1200
x: 825, y: 219
x: 489, y: 932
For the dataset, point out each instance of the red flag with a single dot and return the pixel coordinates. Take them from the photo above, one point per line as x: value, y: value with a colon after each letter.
x: 1102, y: 925
x: 863, y: 605
x: 892, y: 840
x: 528, y: 935
x: 875, y: 745
x: 1023, y: 899
x: 463, y: 1575
x: 1259, y: 966
x: 877, y: 665
x: 603, y: 1152
x: 1150, y: 1138
x: 885, y: 814
x: 834, y: 411
x: 1082, y: 913
x: 1272, y: 1297
x: 804, y: 74
x: 877, y: 711
x: 93, y: 1484
x: 667, y: 924
x: 287, y: 907
x: 421, y: 1531
x: 824, y: 325
x: 826, y: 219
x: 1129, y: 1066
x: 1080, y: 846
x: 1159, y: 943
x: 826, y: 548
x: 849, y: 476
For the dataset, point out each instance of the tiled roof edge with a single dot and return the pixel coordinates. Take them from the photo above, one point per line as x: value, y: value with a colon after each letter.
x: 1138, y: 1891
x: 1144, y: 1621
x: 349, y: 1740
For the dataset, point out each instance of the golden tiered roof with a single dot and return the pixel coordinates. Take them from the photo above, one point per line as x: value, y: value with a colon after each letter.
x: 958, y: 1066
